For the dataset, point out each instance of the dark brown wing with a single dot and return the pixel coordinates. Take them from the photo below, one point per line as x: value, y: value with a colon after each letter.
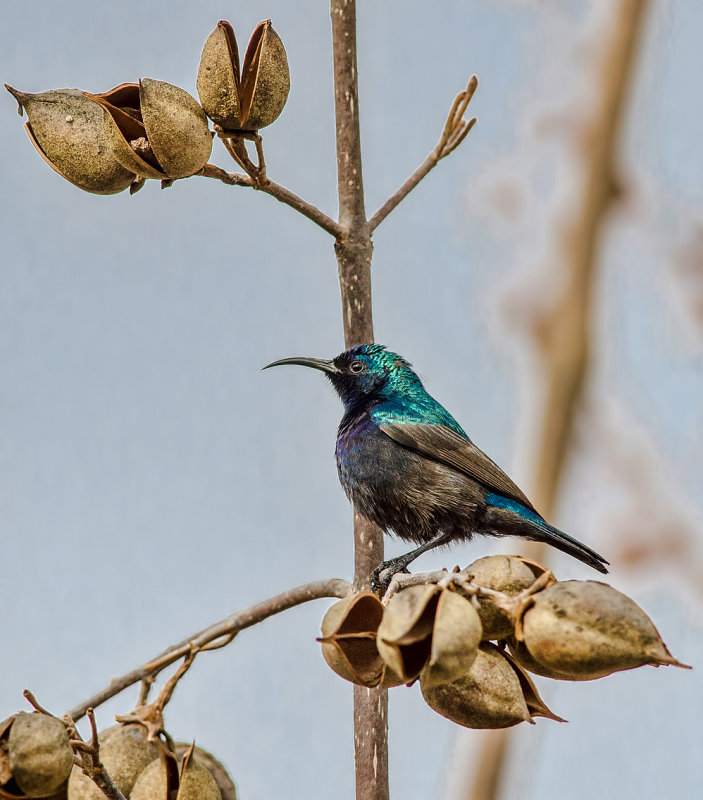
x: 445, y: 445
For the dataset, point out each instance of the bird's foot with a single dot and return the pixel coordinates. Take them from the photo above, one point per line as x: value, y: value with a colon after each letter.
x: 384, y: 572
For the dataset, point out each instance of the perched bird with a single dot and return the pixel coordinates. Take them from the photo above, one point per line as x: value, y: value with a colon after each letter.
x: 407, y: 465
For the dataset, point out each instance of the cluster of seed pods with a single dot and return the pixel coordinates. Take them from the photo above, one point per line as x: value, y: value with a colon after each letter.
x: 36, y: 761
x: 473, y: 638
x: 106, y: 142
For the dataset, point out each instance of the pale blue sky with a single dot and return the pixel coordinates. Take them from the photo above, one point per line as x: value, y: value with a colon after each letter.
x: 153, y: 479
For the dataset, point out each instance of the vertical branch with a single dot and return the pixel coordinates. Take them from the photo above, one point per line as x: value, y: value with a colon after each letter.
x: 353, y: 249
x: 563, y: 334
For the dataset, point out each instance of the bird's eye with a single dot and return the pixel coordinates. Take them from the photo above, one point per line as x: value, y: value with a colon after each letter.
x: 356, y: 366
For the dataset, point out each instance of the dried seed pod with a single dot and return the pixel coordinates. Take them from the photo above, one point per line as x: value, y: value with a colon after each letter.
x: 522, y: 656
x: 404, y: 637
x: 490, y: 695
x: 36, y: 755
x: 535, y: 705
x: 389, y: 679
x: 215, y: 767
x: 456, y: 635
x: 163, y: 780
x: 125, y: 752
x: 349, y: 638
x: 155, y: 129
x: 253, y: 98
x: 507, y: 574
x: 68, y: 131
x: 587, y: 629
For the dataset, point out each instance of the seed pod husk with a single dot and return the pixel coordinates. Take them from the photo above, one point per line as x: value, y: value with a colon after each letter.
x: 163, y: 780
x: 404, y: 637
x: 507, y: 574
x: 250, y: 99
x: 489, y: 695
x: 38, y: 754
x: 456, y: 635
x: 587, y: 630
x: 155, y: 129
x: 68, y: 131
x: 218, y: 77
x: 349, y: 638
x: 125, y: 752
x: 535, y: 705
x: 214, y: 766
x: 522, y: 656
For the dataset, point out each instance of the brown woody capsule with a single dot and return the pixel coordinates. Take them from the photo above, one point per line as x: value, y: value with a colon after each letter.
x: 494, y: 693
x: 522, y: 656
x: 38, y: 753
x: 456, y: 635
x: 253, y: 98
x: 587, y: 629
x: 349, y: 638
x: 68, y: 131
x: 507, y: 574
x: 162, y: 780
x: 215, y: 767
x: 405, y: 634
x: 488, y: 696
x: 125, y: 752
x: 155, y: 129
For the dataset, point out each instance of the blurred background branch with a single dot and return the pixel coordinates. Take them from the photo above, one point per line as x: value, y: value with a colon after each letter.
x: 562, y: 333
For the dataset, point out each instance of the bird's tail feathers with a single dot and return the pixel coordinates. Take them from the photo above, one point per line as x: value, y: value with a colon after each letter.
x: 532, y: 526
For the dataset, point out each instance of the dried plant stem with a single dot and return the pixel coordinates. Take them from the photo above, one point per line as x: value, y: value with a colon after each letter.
x: 455, y: 131
x: 354, y: 249
x: 224, y: 629
x: 87, y: 757
x: 563, y: 334
x: 275, y: 190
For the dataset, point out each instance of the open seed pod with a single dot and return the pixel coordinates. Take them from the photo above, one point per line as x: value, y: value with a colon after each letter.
x: 508, y: 574
x: 125, y: 752
x: 349, y: 638
x: 35, y: 755
x: 68, y: 131
x: 163, y: 780
x: 155, y: 129
x: 215, y: 767
x: 587, y: 629
x: 253, y: 98
x: 489, y: 695
x: 456, y: 635
x: 535, y: 705
x: 405, y: 634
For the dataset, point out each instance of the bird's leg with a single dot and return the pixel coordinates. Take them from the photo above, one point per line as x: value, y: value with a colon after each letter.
x: 384, y: 572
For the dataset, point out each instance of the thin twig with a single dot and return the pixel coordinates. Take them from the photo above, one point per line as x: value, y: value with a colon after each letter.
x: 230, y: 178
x: 144, y: 690
x: 454, y: 132
x: 151, y: 716
x: 279, y: 192
x: 308, y: 210
x: 32, y: 700
x: 87, y: 757
x: 332, y: 587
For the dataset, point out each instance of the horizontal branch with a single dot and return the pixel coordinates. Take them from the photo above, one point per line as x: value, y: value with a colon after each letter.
x: 282, y: 194
x: 455, y: 131
x: 226, y: 628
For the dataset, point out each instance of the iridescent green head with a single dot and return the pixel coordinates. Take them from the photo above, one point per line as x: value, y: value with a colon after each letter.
x: 363, y: 372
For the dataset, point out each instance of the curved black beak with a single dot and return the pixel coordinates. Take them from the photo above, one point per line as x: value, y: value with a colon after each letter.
x: 315, y: 363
